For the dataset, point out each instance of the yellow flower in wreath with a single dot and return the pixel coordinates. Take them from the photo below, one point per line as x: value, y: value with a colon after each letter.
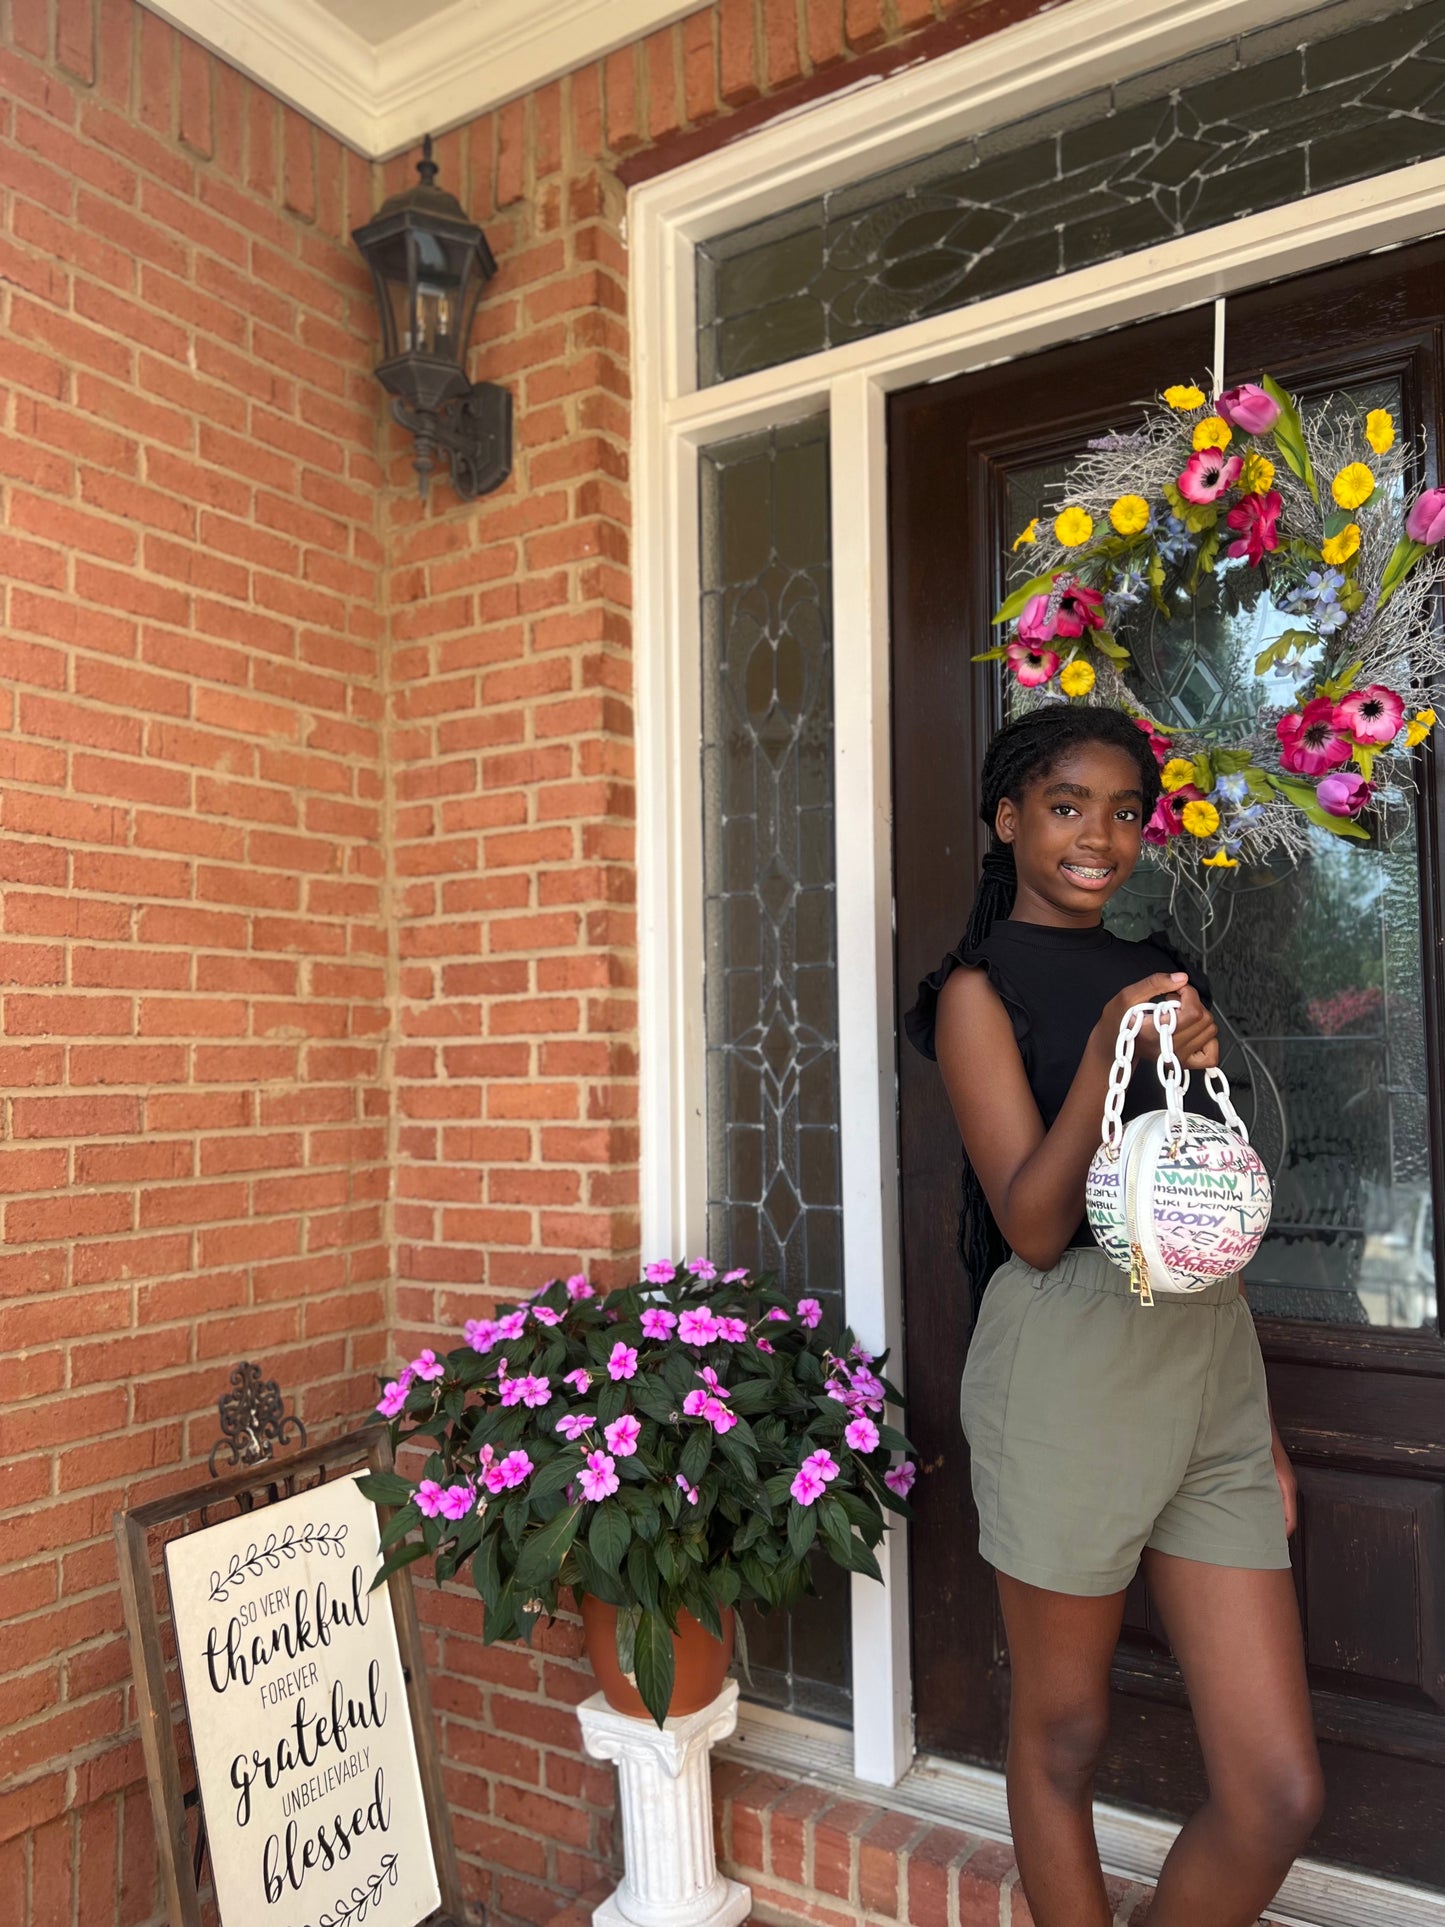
x: 1341, y: 547
x: 1213, y: 432
x: 1353, y: 486
x: 1077, y: 679
x: 1176, y: 773
x: 1200, y: 817
x: 1380, y: 430
x: 1030, y: 534
x: 1219, y: 861
x: 1130, y: 514
x: 1419, y: 727
x: 1184, y: 396
x: 1257, y: 474
x: 1074, y: 527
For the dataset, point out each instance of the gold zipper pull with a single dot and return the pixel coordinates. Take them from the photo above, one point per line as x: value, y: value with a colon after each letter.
x: 1139, y: 1275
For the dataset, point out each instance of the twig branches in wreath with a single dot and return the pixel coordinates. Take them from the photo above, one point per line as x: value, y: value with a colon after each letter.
x: 1253, y: 507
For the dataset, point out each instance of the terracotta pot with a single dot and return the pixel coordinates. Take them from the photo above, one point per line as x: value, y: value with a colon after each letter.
x: 700, y: 1662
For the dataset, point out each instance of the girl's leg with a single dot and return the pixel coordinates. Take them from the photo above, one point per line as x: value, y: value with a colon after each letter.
x: 1236, y: 1636
x: 1060, y: 1648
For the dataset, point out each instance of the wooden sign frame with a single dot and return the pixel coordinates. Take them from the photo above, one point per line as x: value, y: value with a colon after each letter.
x: 365, y: 1450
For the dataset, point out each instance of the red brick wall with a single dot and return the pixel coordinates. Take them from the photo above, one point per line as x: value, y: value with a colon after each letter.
x: 315, y: 836
x: 194, y: 1017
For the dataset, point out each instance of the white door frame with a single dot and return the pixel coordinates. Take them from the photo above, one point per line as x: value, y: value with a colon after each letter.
x: 1055, y: 57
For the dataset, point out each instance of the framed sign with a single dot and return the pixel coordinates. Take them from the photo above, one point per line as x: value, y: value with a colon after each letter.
x: 296, y: 1701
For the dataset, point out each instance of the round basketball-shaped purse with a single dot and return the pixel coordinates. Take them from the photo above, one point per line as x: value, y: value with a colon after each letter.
x: 1175, y: 1199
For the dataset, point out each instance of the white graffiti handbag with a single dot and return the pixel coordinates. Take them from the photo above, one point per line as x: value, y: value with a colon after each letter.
x: 1175, y: 1199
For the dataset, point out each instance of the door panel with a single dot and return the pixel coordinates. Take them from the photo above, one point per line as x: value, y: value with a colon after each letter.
x: 1346, y: 1305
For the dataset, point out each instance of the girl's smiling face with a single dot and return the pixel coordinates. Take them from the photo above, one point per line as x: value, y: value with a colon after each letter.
x: 1076, y: 832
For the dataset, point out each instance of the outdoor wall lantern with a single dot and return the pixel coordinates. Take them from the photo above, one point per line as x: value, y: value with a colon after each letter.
x: 429, y: 264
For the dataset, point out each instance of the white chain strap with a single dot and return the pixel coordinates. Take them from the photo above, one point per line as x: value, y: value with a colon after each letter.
x: 1172, y: 1075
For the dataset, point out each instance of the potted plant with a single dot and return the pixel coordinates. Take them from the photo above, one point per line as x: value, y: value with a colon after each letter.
x: 667, y: 1452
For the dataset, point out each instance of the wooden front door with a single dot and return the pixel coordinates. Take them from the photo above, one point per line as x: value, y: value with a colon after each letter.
x: 1330, y: 984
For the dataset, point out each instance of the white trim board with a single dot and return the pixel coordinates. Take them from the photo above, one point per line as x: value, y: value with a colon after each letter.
x: 1132, y: 1845
x: 381, y: 97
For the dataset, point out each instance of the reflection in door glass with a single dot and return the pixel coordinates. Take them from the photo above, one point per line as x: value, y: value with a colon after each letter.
x: 1318, y: 980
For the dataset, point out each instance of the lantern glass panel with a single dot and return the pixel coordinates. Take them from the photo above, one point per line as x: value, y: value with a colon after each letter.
x: 441, y: 284
x: 387, y: 262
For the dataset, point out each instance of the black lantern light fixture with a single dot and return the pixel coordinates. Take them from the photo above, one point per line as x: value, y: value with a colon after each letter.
x: 430, y: 264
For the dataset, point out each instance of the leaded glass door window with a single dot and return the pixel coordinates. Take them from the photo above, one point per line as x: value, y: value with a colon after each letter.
x: 770, y: 957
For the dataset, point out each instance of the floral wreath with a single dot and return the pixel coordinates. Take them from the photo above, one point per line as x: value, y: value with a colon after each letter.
x: 1231, y: 492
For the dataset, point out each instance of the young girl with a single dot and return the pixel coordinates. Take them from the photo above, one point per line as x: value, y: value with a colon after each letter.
x: 1102, y: 1431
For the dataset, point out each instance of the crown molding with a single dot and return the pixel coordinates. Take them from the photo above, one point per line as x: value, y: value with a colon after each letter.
x: 461, y: 62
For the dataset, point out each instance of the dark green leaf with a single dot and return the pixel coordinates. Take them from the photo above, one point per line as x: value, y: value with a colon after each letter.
x: 642, y: 1574
x: 543, y: 1550
x: 653, y: 1664
x: 399, y: 1525
x: 609, y: 1535
x: 385, y: 1488
x: 653, y: 1398
x: 403, y: 1556
x: 611, y: 1400
x: 487, y: 1570
x: 696, y: 1453
x: 1013, y: 604
x: 802, y: 1525
x: 556, y: 1474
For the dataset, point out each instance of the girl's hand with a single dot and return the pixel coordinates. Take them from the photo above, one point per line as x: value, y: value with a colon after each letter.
x: 1196, y: 1038
x: 1288, y: 1485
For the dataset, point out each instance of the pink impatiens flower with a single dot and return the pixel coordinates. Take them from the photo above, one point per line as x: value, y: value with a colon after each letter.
x: 544, y: 1316
x: 622, y: 1435
x: 1207, y: 474
x: 696, y: 1402
x: 1342, y: 793
x: 393, y: 1399
x: 702, y: 1268
x: 1249, y: 408
x: 718, y: 1416
x: 1256, y: 518
x: 862, y: 1434
x: 899, y: 1478
x: 1371, y: 715
x: 428, y: 1498
x: 823, y: 1463
x: 1031, y: 663
x: 657, y: 1322
x: 732, y: 1277
x: 714, y: 1384
x: 511, y: 1326
x: 578, y: 1287
x: 428, y: 1366
x: 456, y: 1502
x: 509, y: 1471
x: 689, y: 1491
x: 697, y: 1327
x: 1310, y: 741
x: 734, y: 1330
x: 480, y: 1333
x: 622, y: 1363
x: 578, y: 1380
x: 780, y: 1313
x: 811, y: 1313
x: 526, y: 1390
x: 573, y: 1424
x: 598, y: 1478
x: 660, y: 1272
x: 807, y: 1485
x: 763, y: 1345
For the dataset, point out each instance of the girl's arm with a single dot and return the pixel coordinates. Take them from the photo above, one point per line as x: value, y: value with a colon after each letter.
x: 1034, y: 1179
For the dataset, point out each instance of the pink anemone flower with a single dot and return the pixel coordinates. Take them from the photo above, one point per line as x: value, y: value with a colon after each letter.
x: 1032, y: 666
x: 1310, y: 741
x: 1080, y: 608
x: 1208, y: 473
x: 1168, y: 818
x: 1372, y: 715
x: 1256, y: 518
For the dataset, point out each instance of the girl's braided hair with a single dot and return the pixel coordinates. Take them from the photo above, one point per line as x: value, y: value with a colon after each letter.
x: 1022, y: 753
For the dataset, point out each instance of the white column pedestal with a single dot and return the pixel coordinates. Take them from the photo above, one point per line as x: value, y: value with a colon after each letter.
x: 670, y: 1875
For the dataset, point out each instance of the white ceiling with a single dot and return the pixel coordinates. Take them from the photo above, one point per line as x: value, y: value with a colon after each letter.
x: 381, y: 73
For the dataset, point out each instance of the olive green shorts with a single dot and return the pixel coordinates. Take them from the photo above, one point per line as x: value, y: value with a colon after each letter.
x: 1099, y: 1426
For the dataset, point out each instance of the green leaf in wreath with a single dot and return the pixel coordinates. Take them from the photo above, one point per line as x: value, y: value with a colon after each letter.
x: 991, y: 655
x: 1036, y: 585
x: 1403, y: 558
x: 1338, y: 687
x: 609, y: 1535
x: 1289, y: 436
x: 1303, y: 798
x: 652, y: 1663
x: 1107, y: 646
x: 542, y: 1551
